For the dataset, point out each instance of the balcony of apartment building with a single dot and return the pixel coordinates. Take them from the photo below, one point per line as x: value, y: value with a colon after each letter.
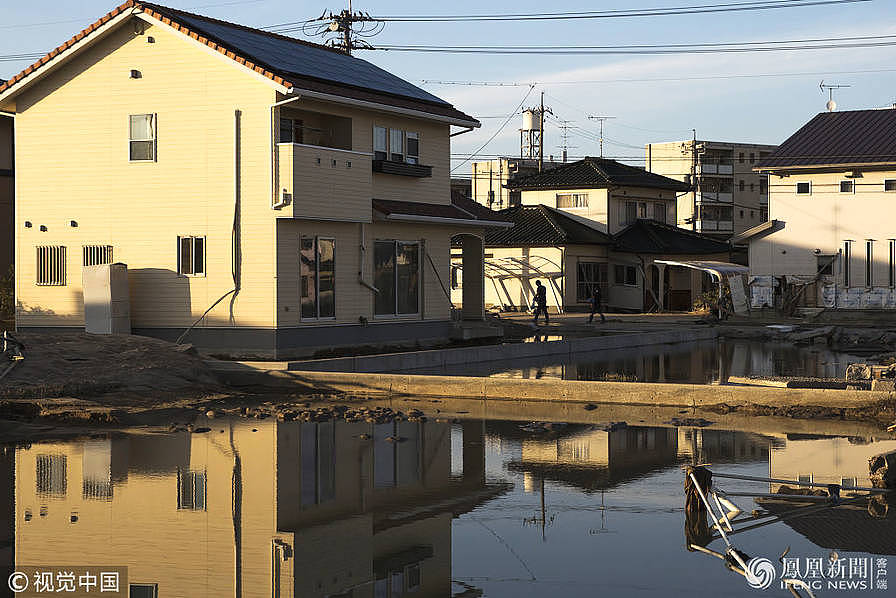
x: 315, y: 163
x: 716, y: 191
x: 715, y: 219
x: 717, y: 163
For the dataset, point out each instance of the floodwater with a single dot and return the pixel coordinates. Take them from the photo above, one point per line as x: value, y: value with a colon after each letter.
x: 699, y: 362
x: 477, y: 508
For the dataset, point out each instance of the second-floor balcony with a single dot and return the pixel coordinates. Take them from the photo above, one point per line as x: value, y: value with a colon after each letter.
x: 323, y: 183
x: 712, y: 226
x: 716, y: 196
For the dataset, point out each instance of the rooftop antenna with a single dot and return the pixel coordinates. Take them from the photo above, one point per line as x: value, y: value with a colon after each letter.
x: 601, y: 120
x: 564, y: 138
x: 831, y: 105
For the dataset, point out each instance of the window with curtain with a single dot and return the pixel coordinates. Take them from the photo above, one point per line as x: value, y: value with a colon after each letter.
x: 142, y: 138
x: 397, y: 277
x: 318, y: 277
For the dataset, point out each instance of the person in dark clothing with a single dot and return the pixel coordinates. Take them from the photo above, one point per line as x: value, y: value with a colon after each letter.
x: 541, y: 302
x: 595, y: 300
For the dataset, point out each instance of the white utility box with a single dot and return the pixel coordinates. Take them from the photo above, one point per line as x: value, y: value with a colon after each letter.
x: 107, y: 303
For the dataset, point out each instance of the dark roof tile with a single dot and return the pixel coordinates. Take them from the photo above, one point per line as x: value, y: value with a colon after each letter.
x: 650, y: 236
x: 542, y: 226
x: 838, y: 138
x: 595, y: 173
x: 285, y: 60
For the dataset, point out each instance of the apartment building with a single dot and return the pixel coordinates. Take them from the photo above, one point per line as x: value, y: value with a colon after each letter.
x: 726, y: 197
x: 277, y: 196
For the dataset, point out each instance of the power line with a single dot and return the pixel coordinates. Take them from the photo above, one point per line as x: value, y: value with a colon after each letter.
x: 649, y: 79
x: 509, y: 117
x: 622, y: 13
x: 604, y: 14
x: 720, y: 48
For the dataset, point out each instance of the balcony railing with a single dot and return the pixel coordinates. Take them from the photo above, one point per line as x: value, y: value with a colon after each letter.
x: 715, y: 226
x: 322, y: 182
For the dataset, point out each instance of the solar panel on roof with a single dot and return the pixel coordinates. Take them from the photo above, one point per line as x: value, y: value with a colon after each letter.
x: 309, y: 61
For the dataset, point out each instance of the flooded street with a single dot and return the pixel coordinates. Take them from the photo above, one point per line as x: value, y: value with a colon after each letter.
x: 262, y: 508
x: 700, y: 362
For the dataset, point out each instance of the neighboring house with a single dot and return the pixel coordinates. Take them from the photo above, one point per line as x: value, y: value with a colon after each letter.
x: 284, y: 195
x: 727, y: 196
x: 831, y: 240
x: 596, y: 222
x: 266, y: 508
x: 7, y: 190
x: 491, y: 177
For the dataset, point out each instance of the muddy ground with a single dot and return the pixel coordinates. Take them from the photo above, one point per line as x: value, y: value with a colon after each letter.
x: 75, y: 383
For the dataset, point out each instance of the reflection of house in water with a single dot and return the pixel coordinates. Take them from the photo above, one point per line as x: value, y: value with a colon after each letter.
x: 859, y: 527
x: 597, y: 459
x: 7, y: 506
x: 699, y: 445
x: 279, y: 509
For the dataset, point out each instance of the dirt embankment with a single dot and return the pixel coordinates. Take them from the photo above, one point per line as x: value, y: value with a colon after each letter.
x: 137, y: 369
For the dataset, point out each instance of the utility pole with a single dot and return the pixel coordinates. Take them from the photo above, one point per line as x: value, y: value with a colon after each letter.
x: 343, y: 23
x: 541, y: 135
x: 601, y: 120
x: 564, y: 137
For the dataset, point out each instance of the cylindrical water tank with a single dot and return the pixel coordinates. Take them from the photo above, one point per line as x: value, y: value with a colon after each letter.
x: 531, y: 119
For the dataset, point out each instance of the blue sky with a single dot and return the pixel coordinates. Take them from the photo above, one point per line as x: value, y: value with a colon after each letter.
x: 753, y: 109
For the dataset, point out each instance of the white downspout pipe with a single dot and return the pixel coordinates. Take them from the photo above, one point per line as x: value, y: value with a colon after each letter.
x: 275, y: 201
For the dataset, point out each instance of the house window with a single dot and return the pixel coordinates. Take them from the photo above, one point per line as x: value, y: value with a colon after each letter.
x: 142, y: 137
x: 396, y: 145
x: 824, y: 265
x: 292, y: 130
x: 572, y: 200
x: 380, y: 143
x: 891, y: 267
x: 763, y: 185
x: 847, y: 187
x: 143, y: 590
x: 763, y: 214
x: 659, y: 212
x: 869, y: 263
x: 191, y: 487
x: 740, y: 158
x: 752, y: 157
x: 318, y: 277
x: 51, y: 266
x: 804, y: 188
x: 397, y: 278
x: 752, y: 214
x: 752, y: 187
x: 412, y: 577
x: 625, y: 275
x: 847, y: 265
x: 51, y: 472
x: 191, y: 256
x: 589, y: 274
x: 318, y: 462
x: 805, y: 478
x: 890, y: 185
x: 95, y: 255
x: 741, y: 214
x: 642, y: 209
x: 412, y: 147
x: 631, y: 212
x: 741, y: 185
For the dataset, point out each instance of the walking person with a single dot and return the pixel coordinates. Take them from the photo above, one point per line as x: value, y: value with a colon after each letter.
x: 595, y: 300
x: 541, y: 302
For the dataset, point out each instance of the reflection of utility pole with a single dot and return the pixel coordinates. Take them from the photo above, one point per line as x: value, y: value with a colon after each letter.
x: 601, y: 120
x: 541, y: 518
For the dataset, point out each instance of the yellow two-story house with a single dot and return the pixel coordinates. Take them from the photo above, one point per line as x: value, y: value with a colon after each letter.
x: 275, y: 195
